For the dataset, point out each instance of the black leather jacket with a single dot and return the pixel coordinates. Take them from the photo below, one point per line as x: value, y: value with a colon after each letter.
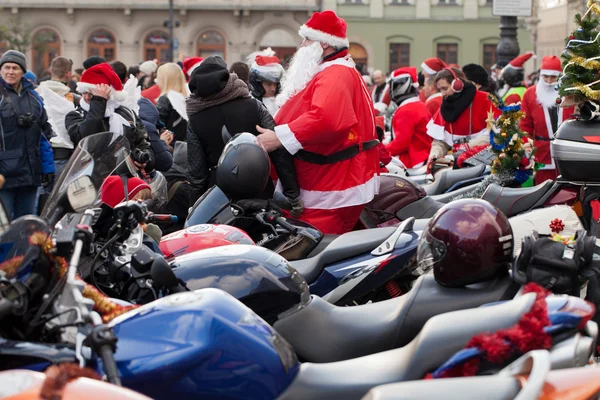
x: 205, y: 144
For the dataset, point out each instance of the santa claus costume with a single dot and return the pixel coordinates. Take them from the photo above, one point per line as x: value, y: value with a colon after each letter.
x: 434, y: 102
x: 463, y: 119
x: 513, y: 75
x: 327, y: 122
x: 543, y: 117
x: 431, y: 66
x: 411, y: 142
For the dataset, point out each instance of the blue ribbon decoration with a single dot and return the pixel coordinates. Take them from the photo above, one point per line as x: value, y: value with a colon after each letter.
x: 498, y: 147
x: 522, y: 176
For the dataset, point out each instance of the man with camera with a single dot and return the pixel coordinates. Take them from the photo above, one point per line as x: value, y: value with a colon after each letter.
x: 26, y: 159
x: 101, y: 110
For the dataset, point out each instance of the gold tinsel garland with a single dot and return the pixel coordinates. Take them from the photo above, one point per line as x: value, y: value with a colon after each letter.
x: 585, y: 90
x: 585, y: 63
x: 592, y: 6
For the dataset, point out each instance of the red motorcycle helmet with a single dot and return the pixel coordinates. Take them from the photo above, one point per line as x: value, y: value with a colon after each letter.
x: 467, y: 241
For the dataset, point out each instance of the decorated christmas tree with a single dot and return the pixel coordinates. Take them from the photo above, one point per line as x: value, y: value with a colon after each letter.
x: 581, y: 60
x: 510, y: 144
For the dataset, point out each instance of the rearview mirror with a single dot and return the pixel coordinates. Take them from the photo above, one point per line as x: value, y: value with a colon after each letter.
x: 81, y: 193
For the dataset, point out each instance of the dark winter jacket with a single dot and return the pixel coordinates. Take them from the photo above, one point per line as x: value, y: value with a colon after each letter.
x: 179, y: 190
x: 163, y: 158
x: 171, y: 118
x: 81, y: 124
x: 22, y: 149
x: 205, y: 143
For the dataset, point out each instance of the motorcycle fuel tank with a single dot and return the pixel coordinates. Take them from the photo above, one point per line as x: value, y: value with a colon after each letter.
x: 201, y: 344
x: 200, y: 237
x: 258, y: 277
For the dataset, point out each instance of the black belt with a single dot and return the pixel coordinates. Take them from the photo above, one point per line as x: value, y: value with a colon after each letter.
x: 62, y: 153
x: 342, y: 155
x: 543, y: 139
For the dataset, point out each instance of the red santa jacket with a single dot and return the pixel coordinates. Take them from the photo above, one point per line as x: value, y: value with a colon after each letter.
x: 332, y: 113
x: 434, y: 103
x: 411, y: 142
x: 537, y: 124
x: 470, y: 123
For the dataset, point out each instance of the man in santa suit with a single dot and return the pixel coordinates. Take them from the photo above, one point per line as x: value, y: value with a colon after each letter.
x: 411, y: 143
x: 464, y: 119
x: 513, y: 75
x: 432, y: 94
x: 381, y: 91
x: 430, y: 67
x: 543, y: 116
x: 327, y: 122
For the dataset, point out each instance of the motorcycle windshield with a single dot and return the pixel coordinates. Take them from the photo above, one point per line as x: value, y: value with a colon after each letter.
x: 211, y: 208
x: 97, y: 156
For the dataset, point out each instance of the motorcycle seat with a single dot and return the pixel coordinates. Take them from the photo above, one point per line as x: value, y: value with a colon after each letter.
x: 440, y: 338
x: 447, y: 178
x: 323, y: 332
x: 345, y: 246
x: 513, y: 201
x: 422, y: 208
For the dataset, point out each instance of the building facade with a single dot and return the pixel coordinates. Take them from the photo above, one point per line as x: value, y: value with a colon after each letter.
x: 556, y: 22
x: 384, y: 34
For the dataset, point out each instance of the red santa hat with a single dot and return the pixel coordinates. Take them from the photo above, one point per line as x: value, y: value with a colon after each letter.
x: 268, y: 66
x: 325, y: 27
x: 190, y: 64
x: 406, y: 71
x: 113, y: 192
x: 517, y: 62
x: 551, y: 66
x: 433, y: 65
x: 101, y: 73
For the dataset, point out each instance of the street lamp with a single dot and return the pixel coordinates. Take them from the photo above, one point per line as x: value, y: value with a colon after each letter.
x: 170, y: 24
x: 508, y: 47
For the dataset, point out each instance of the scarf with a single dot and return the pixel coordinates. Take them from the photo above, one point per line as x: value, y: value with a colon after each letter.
x: 115, y: 121
x: 235, y: 88
x: 454, y: 105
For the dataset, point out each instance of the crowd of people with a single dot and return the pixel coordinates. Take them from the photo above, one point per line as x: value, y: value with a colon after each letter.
x: 320, y: 121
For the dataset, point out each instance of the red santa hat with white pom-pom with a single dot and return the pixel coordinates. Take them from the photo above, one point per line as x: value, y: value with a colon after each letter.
x: 325, y: 27
x: 99, y: 74
x: 190, y: 64
x: 551, y: 66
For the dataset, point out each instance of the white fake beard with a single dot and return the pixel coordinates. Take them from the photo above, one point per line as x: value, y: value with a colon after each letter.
x: 546, y: 94
x: 303, y: 67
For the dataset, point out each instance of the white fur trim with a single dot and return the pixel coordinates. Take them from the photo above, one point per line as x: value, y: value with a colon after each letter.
x: 288, y: 139
x: 84, y: 87
x: 550, y: 133
x: 334, y: 199
x: 119, y: 95
x: 439, y: 132
x: 401, y: 76
x: 433, y: 96
x: 549, y: 72
x: 409, y: 100
x: 427, y: 69
x: 193, y: 67
x: 346, y: 62
x: 319, y: 36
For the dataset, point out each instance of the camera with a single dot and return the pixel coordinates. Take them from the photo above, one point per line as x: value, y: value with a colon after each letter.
x: 141, y: 156
x: 27, y: 120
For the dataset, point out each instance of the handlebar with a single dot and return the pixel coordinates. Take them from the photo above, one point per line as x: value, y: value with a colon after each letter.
x: 162, y: 217
x: 103, y: 341
x: 109, y: 363
x: 271, y: 218
x: 6, y: 308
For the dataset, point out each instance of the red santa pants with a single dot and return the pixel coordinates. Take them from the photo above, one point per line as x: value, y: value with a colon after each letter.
x: 543, y: 175
x: 337, y: 221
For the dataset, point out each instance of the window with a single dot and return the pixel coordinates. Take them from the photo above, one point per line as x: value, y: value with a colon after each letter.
x: 399, y: 55
x: 399, y: 2
x: 352, y: 1
x: 45, y: 47
x: 448, y: 53
x: 360, y: 57
x: 489, y: 56
x: 447, y: 2
x: 156, y: 46
x: 102, y: 43
x: 211, y: 43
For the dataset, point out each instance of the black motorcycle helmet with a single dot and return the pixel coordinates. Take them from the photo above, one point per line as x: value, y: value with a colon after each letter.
x: 264, y: 69
x: 512, y: 77
x: 244, y: 167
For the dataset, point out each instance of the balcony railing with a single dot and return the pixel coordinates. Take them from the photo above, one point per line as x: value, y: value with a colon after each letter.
x: 163, y: 4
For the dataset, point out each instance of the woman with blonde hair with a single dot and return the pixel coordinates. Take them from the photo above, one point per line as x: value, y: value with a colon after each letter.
x: 171, y: 104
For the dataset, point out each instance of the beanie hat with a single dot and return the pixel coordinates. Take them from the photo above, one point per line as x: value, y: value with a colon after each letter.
x: 210, y: 77
x: 149, y: 67
x: 477, y: 74
x: 433, y: 65
x: 551, y: 66
x: 93, y: 60
x: 325, y: 27
x: 102, y: 73
x: 14, y: 56
x: 113, y: 192
x: 30, y: 76
x: 268, y: 67
x: 190, y: 64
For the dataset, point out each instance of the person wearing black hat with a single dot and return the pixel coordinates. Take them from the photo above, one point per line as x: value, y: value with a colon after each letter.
x: 220, y: 99
x: 26, y: 156
x: 480, y: 77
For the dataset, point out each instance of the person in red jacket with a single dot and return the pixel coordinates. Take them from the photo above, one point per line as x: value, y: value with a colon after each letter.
x: 409, y: 124
x: 327, y: 122
x: 543, y: 116
x: 430, y: 67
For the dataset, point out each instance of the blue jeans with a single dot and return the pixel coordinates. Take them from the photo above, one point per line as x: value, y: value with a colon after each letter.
x: 59, y: 166
x: 20, y: 201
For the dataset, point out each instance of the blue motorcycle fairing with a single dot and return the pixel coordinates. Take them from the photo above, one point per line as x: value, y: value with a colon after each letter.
x: 201, y: 344
x: 33, y: 356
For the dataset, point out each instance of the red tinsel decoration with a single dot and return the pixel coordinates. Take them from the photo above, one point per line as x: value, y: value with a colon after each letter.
x: 557, y: 225
x: 528, y: 334
x: 470, y: 153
